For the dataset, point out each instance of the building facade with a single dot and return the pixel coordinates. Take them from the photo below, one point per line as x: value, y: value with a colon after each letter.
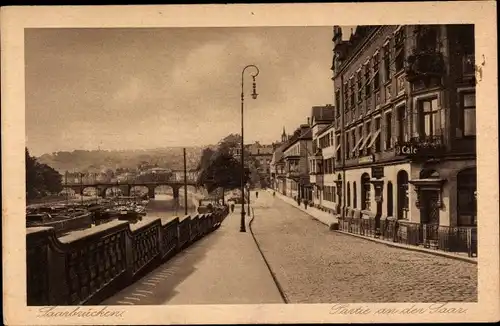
x: 262, y: 154
x: 321, y: 162
x: 405, y: 123
x: 295, y: 155
x: 277, y: 165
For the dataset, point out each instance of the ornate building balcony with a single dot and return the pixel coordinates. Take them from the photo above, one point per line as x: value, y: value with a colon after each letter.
x: 421, y: 147
x: 423, y: 65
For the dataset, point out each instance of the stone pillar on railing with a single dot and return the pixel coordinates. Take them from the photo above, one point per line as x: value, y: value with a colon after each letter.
x: 129, y: 255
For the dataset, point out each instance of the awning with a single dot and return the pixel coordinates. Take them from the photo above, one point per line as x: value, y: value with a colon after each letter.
x: 357, y: 145
x: 374, y: 138
x: 367, y: 139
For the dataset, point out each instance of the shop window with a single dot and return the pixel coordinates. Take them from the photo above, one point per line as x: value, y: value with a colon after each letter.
x: 354, y: 195
x: 466, y: 197
x: 403, y: 195
x: 469, y: 114
x: 348, y: 195
x: 390, y: 199
x: 365, y: 192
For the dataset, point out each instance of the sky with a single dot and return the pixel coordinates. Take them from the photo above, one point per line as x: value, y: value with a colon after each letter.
x: 147, y: 88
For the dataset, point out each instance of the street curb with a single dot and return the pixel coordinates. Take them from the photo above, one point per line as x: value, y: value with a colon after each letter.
x: 275, y: 279
x: 423, y: 250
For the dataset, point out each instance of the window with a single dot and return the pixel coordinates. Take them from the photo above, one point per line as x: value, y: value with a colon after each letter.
x: 400, y: 50
x: 466, y: 198
x: 402, y: 124
x: 427, y: 38
x: 337, y: 151
x: 429, y: 126
x: 376, y: 75
x: 388, y: 130
x: 346, y: 97
x: 403, y: 200
x: 347, y: 144
x: 351, y: 86
x: 389, y: 199
x: 360, y: 85
x: 337, y: 102
x: 367, y: 80
x: 376, y: 138
x: 348, y: 195
x: 353, y: 133
x: 469, y: 114
x: 365, y: 192
x: 354, y: 195
x: 387, y: 63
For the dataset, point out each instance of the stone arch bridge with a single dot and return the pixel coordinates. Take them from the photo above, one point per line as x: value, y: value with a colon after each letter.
x: 127, y: 187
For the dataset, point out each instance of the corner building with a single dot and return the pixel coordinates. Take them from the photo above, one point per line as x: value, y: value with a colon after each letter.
x: 405, y: 119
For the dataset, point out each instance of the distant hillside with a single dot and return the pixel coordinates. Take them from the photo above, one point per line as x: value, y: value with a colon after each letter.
x: 99, y: 160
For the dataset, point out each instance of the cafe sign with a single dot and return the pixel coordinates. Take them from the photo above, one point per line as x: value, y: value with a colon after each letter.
x: 407, y: 149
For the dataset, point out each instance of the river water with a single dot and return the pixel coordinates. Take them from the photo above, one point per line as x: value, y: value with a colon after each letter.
x: 165, y: 207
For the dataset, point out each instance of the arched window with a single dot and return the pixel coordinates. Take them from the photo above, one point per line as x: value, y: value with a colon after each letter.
x: 355, y: 195
x: 403, y: 200
x: 365, y: 191
x: 348, y: 195
x: 466, y: 197
x: 390, y: 200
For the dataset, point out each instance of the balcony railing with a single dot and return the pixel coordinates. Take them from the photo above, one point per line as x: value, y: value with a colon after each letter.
x: 424, y: 64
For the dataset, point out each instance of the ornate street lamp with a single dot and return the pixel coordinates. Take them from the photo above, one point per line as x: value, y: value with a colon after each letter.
x: 254, y: 96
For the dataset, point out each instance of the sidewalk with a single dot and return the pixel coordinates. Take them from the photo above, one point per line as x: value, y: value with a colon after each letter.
x: 323, y: 217
x: 225, y: 267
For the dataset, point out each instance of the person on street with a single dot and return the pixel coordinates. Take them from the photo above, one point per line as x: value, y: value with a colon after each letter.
x: 256, y: 194
x: 274, y: 193
x: 232, y: 207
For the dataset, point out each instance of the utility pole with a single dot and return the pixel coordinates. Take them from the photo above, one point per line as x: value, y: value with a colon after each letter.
x: 185, y: 185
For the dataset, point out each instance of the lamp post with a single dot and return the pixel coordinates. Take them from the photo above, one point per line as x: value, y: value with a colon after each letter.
x: 254, y: 96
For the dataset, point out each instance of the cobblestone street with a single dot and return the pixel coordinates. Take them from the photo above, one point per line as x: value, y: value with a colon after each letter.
x: 315, y: 265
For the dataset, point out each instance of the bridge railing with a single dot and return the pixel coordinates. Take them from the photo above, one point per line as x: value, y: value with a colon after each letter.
x: 88, y: 266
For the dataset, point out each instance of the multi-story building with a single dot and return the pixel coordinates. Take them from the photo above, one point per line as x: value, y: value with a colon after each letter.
x: 405, y: 119
x: 277, y: 165
x: 321, y: 162
x: 295, y: 154
x: 262, y: 154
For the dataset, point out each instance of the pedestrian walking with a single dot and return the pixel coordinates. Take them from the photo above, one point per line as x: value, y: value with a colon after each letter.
x: 232, y: 207
x: 256, y: 194
x: 274, y: 193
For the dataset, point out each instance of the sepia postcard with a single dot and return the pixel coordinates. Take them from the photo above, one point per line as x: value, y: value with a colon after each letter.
x: 242, y: 164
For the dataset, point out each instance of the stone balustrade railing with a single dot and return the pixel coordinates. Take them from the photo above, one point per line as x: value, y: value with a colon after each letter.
x: 86, y: 267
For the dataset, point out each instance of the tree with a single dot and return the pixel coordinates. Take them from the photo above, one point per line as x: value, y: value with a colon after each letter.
x: 41, y: 179
x: 221, y: 169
